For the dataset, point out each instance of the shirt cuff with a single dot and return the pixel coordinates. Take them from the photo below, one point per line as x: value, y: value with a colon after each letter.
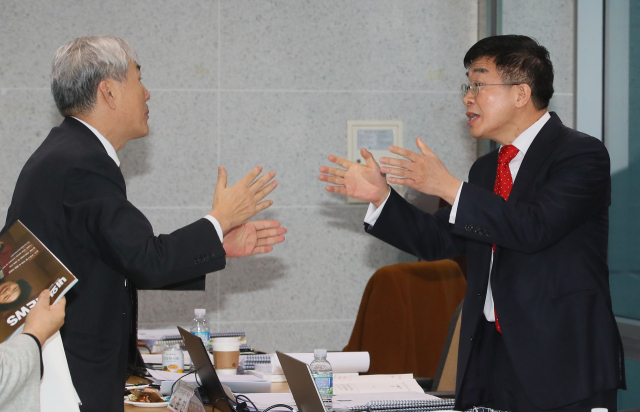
x: 216, y: 224
x: 454, y: 208
x: 39, y: 350
x: 373, y: 213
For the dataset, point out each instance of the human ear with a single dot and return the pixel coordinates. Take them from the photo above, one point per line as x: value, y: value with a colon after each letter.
x: 105, y: 91
x: 524, y: 95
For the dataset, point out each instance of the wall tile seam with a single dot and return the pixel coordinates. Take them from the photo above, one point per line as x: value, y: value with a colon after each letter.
x: 354, y: 206
x: 204, y: 208
x: 258, y: 322
x: 5, y: 90
x: 248, y: 322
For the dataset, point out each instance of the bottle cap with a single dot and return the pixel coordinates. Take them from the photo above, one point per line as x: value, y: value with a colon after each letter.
x: 200, y: 312
x: 599, y: 410
x: 320, y: 353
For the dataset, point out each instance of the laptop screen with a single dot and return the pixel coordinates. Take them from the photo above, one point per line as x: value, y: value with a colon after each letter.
x: 301, y: 383
x: 206, y: 372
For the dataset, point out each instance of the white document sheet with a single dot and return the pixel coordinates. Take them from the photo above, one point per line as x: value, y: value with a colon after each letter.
x: 347, y: 384
x: 376, y: 387
x: 341, y: 362
x: 57, y: 393
x: 354, y: 377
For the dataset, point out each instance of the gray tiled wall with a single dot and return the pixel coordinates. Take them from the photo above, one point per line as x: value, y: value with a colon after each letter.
x: 270, y: 82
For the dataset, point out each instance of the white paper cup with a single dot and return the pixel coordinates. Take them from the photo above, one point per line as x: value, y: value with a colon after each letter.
x: 226, y: 355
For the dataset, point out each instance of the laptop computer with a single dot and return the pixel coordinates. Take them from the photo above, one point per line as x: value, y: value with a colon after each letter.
x: 208, y: 377
x: 302, y: 386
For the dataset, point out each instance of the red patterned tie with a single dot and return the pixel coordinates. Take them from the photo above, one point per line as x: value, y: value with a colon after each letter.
x: 502, y: 187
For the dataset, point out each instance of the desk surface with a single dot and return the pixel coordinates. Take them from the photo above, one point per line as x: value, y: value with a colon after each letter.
x: 275, y: 388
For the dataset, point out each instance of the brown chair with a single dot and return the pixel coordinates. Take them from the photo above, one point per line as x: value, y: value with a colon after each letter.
x: 404, y: 317
x: 444, y: 383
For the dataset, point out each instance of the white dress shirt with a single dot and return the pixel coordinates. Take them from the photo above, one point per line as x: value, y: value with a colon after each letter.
x: 522, y: 143
x: 112, y: 154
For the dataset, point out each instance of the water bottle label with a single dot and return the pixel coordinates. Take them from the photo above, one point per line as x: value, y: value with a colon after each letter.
x: 324, y: 384
x: 204, y: 336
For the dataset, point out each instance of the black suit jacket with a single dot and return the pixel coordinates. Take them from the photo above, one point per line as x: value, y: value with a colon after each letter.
x: 72, y: 196
x: 550, y: 279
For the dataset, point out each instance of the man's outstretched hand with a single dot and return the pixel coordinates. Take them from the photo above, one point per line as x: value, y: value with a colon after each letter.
x: 253, y: 238
x: 236, y: 204
x: 421, y: 171
x: 362, y: 182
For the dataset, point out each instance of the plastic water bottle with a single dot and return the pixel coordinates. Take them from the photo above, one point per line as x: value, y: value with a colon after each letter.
x: 200, y: 326
x: 322, y: 376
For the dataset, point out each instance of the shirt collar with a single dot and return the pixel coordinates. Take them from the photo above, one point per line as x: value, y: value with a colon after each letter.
x: 525, y: 139
x: 107, y: 145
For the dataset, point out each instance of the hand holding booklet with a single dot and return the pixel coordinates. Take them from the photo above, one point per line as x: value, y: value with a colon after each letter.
x: 27, y: 267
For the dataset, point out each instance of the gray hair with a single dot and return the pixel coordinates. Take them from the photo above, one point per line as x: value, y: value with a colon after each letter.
x: 80, y: 66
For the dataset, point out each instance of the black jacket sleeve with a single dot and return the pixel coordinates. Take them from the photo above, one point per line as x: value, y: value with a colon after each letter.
x: 100, y: 216
x: 427, y: 236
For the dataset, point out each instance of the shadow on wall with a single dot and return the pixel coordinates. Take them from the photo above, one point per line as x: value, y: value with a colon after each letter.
x: 251, y: 274
x: 352, y: 220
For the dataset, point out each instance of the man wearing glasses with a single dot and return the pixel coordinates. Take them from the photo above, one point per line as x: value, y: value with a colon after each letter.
x: 538, y: 332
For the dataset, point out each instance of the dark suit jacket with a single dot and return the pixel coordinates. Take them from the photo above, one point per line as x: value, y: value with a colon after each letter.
x: 550, y: 279
x: 72, y: 196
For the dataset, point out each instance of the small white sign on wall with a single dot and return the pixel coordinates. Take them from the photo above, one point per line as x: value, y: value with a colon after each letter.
x: 374, y: 135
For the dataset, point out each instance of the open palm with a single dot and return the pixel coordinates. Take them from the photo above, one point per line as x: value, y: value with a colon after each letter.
x: 362, y: 182
x: 252, y: 238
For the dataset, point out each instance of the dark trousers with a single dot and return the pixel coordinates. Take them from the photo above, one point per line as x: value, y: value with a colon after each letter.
x: 508, y: 393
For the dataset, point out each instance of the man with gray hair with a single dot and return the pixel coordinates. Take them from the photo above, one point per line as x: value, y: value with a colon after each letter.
x: 72, y: 195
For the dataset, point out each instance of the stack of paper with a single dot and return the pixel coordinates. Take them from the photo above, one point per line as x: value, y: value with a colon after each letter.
x: 237, y: 383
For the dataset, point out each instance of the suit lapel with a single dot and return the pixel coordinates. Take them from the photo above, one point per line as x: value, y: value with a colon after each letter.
x: 542, y: 146
x: 489, y: 178
x: 485, y: 175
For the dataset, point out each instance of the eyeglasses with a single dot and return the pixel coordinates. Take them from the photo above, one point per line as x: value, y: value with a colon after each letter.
x: 474, y: 88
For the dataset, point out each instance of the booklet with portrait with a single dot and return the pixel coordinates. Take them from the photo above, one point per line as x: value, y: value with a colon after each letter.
x: 27, y: 267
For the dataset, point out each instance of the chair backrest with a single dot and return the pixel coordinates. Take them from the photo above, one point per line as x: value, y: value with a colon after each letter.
x: 445, y: 379
x: 404, y: 316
